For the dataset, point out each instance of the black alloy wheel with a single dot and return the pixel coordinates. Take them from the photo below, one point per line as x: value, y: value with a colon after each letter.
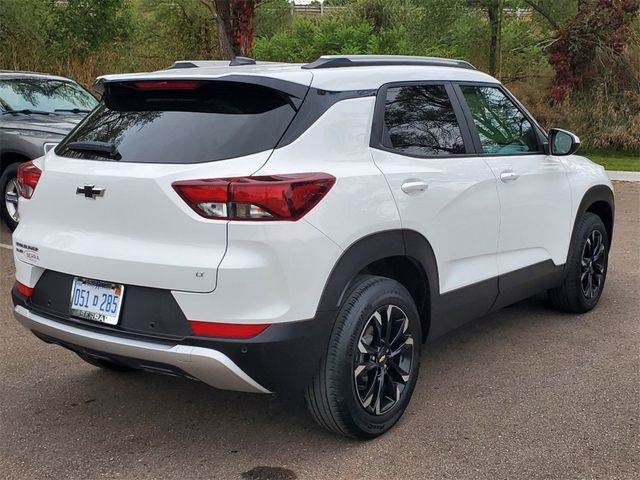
x: 593, y: 265
x: 383, y: 360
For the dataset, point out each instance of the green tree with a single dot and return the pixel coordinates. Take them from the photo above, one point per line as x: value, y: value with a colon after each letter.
x: 495, y: 11
x: 25, y: 27
x: 172, y: 30
x: 85, y: 26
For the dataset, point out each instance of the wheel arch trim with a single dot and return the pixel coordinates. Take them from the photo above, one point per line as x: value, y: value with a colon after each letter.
x: 594, y: 195
x: 379, y: 246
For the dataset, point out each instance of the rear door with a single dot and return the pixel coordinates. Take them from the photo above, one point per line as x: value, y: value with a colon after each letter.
x: 442, y: 190
x: 534, y: 190
x: 105, y: 207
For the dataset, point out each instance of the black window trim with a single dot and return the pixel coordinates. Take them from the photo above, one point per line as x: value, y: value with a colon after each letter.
x: 541, y: 135
x: 377, y: 127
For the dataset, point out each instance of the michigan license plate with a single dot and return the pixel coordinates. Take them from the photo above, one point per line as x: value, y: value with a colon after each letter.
x: 96, y: 301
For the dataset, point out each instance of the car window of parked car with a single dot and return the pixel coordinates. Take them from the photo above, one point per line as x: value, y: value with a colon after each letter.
x: 502, y: 127
x: 420, y: 120
x: 42, y: 95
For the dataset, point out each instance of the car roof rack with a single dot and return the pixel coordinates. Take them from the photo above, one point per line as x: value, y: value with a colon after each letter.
x: 236, y: 61
x: 241, y: 61
x: 339, y: 61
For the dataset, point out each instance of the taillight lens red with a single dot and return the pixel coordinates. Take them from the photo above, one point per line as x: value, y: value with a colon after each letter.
x: 24, y: 290
x: 274, y: 197
x: 227, y: 330
x: 28, y: 177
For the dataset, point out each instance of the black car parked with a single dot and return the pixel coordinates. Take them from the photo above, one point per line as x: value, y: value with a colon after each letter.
x: 36, y: 112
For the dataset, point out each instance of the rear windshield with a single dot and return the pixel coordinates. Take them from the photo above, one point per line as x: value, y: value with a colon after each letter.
x: 217, y: 120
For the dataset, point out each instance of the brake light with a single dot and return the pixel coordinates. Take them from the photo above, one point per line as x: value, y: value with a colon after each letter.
x: 274, y: 197
x: 24, y: 290
x: 168, y: 84
x: 28, y: 177
x: 227, y: 330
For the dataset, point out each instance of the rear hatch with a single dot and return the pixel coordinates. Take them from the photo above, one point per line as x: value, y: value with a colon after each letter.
x: 104, y: 207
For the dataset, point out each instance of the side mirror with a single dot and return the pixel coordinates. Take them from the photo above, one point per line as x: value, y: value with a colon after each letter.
x: 562, y: 142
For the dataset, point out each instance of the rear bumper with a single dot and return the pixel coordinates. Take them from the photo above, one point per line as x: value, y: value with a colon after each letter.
x: 205, y: 364
x: 154, y: 335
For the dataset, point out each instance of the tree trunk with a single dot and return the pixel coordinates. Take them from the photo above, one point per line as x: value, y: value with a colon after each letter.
x: 221, y: 13
x: 223, y: 18
x: 234, y: 19
x: 495, y: 10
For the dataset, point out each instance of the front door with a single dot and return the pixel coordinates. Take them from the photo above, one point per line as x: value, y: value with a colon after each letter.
x: 533, y: 187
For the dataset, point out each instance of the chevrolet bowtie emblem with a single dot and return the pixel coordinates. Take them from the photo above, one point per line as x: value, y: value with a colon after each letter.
x: 90, y: 191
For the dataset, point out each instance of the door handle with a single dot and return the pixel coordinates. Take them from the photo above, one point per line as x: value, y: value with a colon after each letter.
x: 509, y: 176
x: 414, y: 187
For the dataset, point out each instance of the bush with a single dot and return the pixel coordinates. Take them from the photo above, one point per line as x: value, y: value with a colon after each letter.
x: 308, y: 39
x: 603, y: 120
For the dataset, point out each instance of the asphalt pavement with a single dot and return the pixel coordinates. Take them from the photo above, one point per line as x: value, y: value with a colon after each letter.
x: 525, y: 393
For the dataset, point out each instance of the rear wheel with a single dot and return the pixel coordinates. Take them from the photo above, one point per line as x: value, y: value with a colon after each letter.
x: 10, y: 195
x: 368, y: 374
x: 586, y: 269
x: 104, y: 364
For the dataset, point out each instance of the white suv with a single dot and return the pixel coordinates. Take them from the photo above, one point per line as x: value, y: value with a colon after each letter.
x: 279, y: 227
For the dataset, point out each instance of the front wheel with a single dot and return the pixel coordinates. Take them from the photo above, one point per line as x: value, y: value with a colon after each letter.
x: 586, y: 269
x: 369, y: 372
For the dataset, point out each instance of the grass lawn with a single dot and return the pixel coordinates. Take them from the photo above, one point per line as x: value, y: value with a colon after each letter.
x: 615, y: 160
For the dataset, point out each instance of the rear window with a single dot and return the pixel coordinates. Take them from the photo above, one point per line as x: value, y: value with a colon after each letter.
x: 217, y: 120
x: 420, y: 120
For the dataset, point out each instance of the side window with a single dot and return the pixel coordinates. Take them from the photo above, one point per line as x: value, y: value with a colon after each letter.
x: 420, y: 120
x: 502, y: 127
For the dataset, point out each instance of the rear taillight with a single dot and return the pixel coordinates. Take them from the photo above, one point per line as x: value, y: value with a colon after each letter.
x: 227, y: 330
x: 28, y: 177
x: 275, y: 197
x: 24, y: 290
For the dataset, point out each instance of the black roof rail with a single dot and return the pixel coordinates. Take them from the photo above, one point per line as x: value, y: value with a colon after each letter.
x: 179, y: 64
x: 337, y: 61
x: 182, y: 64
x: 241, y: 61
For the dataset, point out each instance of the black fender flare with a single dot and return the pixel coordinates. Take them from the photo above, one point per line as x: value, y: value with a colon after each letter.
x: 378, y: 246
x: 598, y: 193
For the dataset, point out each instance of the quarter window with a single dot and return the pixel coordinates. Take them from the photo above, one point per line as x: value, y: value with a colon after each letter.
x: 502, y: 127
x: 420, y: 120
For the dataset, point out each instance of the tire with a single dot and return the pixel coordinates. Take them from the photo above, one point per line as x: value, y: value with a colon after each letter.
x: 575, y: 295
x: 342, y: 396
x: 6, y: 183
x: 104, y: 364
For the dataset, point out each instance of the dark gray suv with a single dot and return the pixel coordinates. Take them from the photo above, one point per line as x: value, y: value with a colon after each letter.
x: 36, y: 112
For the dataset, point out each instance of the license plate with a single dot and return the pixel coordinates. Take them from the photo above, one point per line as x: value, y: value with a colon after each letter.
x: 96, y: 301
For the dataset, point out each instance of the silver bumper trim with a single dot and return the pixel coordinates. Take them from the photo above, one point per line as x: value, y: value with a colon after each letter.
x: 209, y: 366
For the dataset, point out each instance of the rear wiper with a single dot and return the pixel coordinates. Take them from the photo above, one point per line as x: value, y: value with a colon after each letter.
x: 28, y: 110
x: 72, y: 110
x: 104, y: 148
